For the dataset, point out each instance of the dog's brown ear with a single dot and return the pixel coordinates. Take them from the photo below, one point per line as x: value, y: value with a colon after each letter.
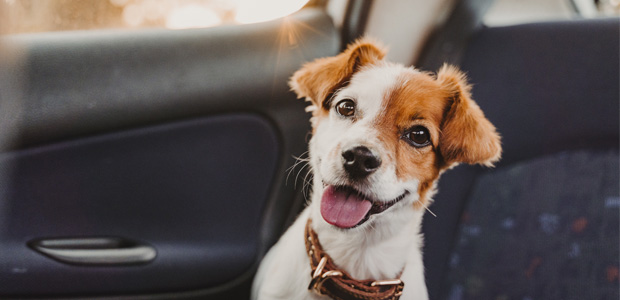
x: 318, y: 80
x: 466, y: 134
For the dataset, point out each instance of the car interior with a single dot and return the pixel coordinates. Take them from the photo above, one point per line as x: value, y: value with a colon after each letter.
x: 151, y: 163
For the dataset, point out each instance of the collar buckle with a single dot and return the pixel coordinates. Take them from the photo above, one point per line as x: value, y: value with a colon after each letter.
x: 386, y: 282
x: 393, y: 282
x: 318, y: 277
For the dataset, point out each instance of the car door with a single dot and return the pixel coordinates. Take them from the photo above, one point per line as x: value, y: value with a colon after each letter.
x: 150, y: 164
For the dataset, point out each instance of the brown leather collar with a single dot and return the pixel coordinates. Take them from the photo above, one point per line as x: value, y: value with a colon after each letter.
x: 328, y: 280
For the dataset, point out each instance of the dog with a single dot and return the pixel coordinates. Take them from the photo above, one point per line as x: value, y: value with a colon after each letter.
x: 382, y: 134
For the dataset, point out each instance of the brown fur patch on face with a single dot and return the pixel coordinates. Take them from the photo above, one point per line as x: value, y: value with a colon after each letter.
x: 418, y: 100
x: 318, y: 80
x: 458, y: 130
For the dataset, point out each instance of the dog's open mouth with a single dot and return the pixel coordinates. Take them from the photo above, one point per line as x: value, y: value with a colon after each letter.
x: 345, y: 207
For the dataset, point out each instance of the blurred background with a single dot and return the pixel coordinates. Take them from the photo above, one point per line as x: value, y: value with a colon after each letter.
x: 60, y: 15
x: 418, y: 18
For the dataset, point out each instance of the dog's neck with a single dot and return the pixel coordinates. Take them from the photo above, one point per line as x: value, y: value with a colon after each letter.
x: 375, y: 250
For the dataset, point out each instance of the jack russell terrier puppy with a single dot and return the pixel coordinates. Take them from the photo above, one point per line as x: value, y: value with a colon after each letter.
x: 382, y: 134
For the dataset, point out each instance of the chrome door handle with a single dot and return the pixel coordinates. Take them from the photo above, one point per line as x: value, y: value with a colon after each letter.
x: 95, y: 250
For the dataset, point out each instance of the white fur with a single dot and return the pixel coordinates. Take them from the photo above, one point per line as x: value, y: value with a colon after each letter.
x: 384, y: 247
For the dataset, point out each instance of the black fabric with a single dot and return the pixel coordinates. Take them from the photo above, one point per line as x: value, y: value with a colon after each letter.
x: 547, y: 87
x: 541, y: 229
x: 194, y: 190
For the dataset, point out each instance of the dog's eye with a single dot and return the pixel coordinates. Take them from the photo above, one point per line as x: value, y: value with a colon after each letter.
x: 418, y: 136
x: 346, y: 107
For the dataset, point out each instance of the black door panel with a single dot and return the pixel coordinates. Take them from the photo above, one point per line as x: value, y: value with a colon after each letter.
x: 193, y: 190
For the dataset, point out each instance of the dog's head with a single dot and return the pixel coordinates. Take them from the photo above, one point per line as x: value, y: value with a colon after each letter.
x: 383, y: 133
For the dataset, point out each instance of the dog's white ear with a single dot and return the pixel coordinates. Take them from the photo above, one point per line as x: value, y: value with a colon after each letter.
x: 318, y: 80
x: 466, y: 134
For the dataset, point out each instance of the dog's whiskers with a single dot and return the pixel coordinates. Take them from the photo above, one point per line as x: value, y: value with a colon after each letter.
x: 290, y: 170
x: 372, y: 226
x: 298, y: 160
x: 428, y: 209
x: 306, y: 184
x: 305, y: 164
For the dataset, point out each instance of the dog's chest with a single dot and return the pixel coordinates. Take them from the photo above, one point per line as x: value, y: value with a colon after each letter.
x: 363, y: 259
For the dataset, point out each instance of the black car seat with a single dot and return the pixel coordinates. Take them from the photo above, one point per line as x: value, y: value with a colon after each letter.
x: 543, y: 224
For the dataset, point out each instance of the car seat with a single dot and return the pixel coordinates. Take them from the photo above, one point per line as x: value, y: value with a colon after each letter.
x: 542, y: 224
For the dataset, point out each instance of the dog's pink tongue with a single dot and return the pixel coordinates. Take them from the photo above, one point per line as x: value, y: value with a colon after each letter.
x: 342, y: 209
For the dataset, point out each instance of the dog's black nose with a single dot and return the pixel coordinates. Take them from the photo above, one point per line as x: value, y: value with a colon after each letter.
x: 359, y: 162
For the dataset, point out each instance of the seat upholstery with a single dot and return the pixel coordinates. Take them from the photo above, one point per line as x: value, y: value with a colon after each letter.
x: 552, y: 91
x: 545, y: 228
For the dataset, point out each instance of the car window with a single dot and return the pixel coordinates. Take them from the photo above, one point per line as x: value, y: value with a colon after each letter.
x: 510, y: 12
x: 30, y: 16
